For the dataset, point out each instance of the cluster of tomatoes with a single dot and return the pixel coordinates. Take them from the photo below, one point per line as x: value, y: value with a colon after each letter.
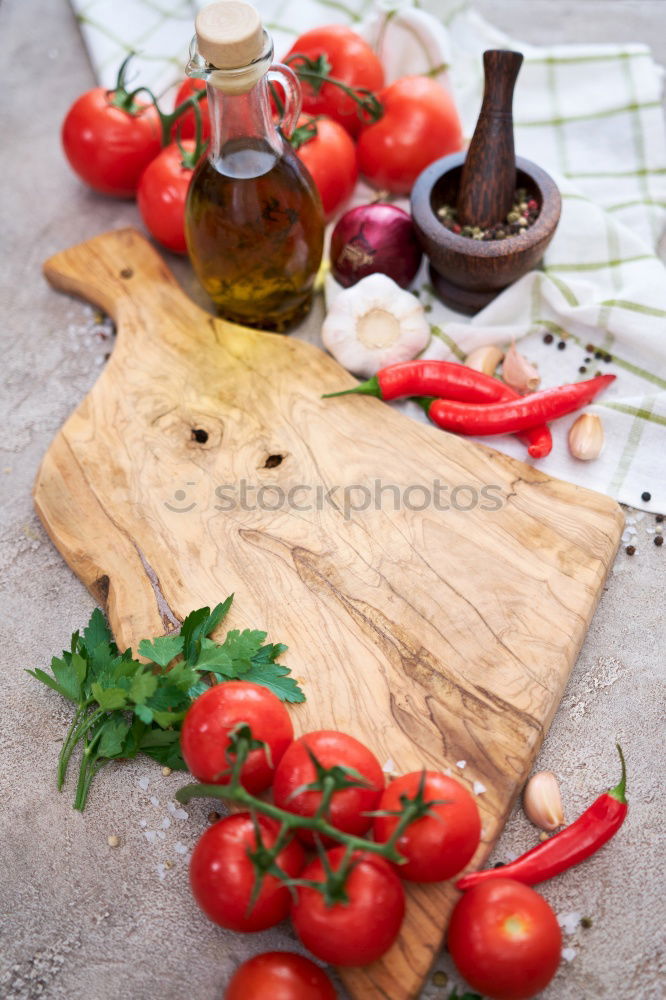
x: 346, y: 901
x: 120, y: 143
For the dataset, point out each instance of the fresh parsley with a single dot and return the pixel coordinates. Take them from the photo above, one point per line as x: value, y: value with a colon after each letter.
x: 125, y: 707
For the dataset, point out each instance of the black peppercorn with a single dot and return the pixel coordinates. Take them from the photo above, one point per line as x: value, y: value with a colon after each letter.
x: 562, y: 344
x: 658, y: 539
x: 589, y: 348
x: 548, y: 338
x: 586, y: 922
x: 608, y: 358
x: 659, y: 518
x: 630, y: 550
x: 598, y: 354
x: 646, y: 496
x: 587, y: 360
x: 582, y: 369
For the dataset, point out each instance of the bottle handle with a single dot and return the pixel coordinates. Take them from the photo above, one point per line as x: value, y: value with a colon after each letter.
x: 292, y: 96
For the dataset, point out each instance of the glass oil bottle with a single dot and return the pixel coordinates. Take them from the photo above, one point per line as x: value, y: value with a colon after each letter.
x: 253, y: 220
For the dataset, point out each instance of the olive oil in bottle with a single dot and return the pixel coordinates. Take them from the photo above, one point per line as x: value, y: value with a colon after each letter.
x: 253, y: 221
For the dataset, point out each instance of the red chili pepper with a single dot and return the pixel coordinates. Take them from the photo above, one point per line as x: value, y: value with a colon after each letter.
x: 446, y: 380
x: 569, y: 847
x: 514, y: 415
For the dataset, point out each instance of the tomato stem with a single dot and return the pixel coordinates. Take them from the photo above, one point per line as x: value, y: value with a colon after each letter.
x: 316, y: 72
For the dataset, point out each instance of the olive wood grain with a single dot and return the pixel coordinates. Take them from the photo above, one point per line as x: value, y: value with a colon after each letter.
x: 488, y: 182
x: 432, y: 635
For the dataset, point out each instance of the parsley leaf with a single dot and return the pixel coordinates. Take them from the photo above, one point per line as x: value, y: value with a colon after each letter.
x: 275, y: 676
x: 163, y: 649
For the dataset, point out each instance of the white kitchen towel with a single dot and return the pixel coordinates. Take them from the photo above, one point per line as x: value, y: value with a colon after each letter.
x: 592, y: 116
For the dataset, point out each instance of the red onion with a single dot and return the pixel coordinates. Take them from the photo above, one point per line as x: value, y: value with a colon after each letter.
x: 373, y: 239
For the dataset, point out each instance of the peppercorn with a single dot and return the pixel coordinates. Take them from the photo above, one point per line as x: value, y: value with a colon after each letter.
x: 659, y: 518
x: 589, y: 348
x: 587, y: 360
x: 630, y: 550
x: 646, y: 496
x: 599, y: 354
x: 608, y: 358
x: 548, y: 338
x: 582, y: 369
x: 586, y: 922
x: 562, y: 344
x: 213, y: 817
x: 658, y: 539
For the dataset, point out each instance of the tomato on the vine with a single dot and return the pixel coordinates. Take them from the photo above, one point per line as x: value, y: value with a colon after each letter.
x: 362, y: 928
x: 346, y: 57
x: 210, y: 720
x: 110, y: 137
x: 327, y: 151
x: 186, y: 126
x: 420, y: 123
x: 505, y: 940
x: 437, y: 846
x: 349, y: 807
x: 162, y: 192
x: 222, y: 876
x: 279, y: 975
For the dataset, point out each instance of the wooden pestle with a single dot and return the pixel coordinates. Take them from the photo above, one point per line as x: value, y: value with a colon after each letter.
x: 488, y: 181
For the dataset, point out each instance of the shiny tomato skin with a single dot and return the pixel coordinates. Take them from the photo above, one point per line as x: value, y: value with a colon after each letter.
x: 348, y: 805
x: 352, y: 61
x: 161, y: 196
x: 280, y: 975
x: 222, y: 877
x: 107, y: 147
x: 331, y: 159
x: 361, y: 930
x: 505, y: 940
x: 436, y: 847
x: 185, y: 126
x: 420, y: 124
x: 210, y: 719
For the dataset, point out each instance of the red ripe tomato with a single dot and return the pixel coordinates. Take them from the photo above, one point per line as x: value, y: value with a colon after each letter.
x: 348, y: 806
x: 330, y: 156
x: 505, y: 940
x: 222, y: 876
x: 350, y: 59
x: 279, y: 975
x: 420, y: 124
x: 162, y: 193
x: 185, y: 127
x: 107, y: 146
x: 439, y: 845
x: 204, y: 736
x: 360, y: 930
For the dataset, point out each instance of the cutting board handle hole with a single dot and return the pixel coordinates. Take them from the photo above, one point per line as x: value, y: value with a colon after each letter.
x: 272, y: 461
x: 199, y: 435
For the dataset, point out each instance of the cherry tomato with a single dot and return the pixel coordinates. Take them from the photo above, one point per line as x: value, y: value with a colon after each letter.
x: 351, y: 60
x: 439, y: 845
x: 505, y: 940
x: 222, y: 876
x: 107, y: 146
x: 279, y: 975
x: 161, y: 196
x: 348, y: 806
x: 360, y: 930
x: 185, y: 126
x: 204, y: 736
x: 419, y: 125
x: 330, y: 156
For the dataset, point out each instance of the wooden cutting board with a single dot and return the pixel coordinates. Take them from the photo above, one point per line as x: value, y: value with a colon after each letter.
x: 436, y: 636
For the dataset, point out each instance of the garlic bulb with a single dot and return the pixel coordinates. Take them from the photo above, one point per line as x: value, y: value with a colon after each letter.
x: 518, y: 372
x: 485, y: 359
x: 373, y: 324
x: 542, y: 801
x: 586, y: 437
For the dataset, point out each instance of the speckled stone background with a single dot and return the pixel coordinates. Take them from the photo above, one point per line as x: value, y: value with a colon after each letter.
x: 82, y: 921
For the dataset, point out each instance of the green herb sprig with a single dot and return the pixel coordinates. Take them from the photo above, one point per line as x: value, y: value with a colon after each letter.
x: 125, y: 707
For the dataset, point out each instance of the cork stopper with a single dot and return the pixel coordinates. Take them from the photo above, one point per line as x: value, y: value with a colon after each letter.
x: 229, y: 34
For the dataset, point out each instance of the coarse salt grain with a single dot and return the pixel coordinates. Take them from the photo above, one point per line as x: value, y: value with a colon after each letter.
x: 569, y: 922
x: 568, y: 954
x: 143, y: 822
x: 180, y: 848
x: 176, y: 811
x: 166, y: 823
x: 143, y: 783
x: 151, y: 836
x: 389, y: 767
x: 478, y: 787
x: 461, y: 764
x: 154, y: 801
x: 161, y: 871
x: 161, y: 834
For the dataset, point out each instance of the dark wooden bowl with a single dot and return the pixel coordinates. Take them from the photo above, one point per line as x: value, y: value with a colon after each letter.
x: 467, y: 274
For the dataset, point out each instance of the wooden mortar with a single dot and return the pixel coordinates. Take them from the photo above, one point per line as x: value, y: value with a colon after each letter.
x: 466, y: 273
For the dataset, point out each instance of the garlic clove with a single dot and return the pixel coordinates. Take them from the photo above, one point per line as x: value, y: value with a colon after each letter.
x: 586, y: 437
x: 542, y: 801
x: 518, y: 372
x: 485, y: 359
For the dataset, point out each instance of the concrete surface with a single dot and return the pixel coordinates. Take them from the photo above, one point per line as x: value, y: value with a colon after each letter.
x: 82, y: 920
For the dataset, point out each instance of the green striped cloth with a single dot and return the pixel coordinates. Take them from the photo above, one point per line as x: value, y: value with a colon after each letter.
x: 592, y: 116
